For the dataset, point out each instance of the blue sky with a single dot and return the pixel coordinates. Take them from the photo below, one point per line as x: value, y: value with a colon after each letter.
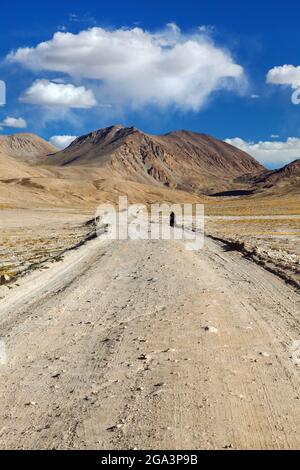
x: 159, y: 66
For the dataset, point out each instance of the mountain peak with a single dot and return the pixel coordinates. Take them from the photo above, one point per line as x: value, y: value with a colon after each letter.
x: 182, y: 159
x: 292, y: 168
x: 103, y: 135
x: 25, y: 146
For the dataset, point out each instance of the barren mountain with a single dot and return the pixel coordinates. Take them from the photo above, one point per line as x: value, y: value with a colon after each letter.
x: 182, y: 160
x: 25, y: 147
x: 285, y: 180
x: 101, y: 165
x: 24, y: 182
x: 17, y: 175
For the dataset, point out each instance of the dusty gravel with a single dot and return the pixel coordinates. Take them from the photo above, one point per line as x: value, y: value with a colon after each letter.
x: 145, y: 345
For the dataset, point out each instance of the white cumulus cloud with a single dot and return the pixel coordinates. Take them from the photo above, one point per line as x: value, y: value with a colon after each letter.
x: 62, y: 141
x: 48, y: 93
x: 136, y: 67
x: 284, y: 75
x: 271, y: 154
x: 18, y: 123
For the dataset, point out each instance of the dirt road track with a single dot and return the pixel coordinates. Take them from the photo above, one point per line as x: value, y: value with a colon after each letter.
x: 146, y: 345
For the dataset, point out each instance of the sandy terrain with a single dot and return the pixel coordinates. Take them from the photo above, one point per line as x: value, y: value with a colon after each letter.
x: 31, y: 237
x: 273, y: 240
x: 146, y: 345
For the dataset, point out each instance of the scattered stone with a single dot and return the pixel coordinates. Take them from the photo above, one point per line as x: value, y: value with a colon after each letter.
x: 157, y: 393
x: 115, y: 427
x: 143, y: 357
x: 264, y: 354
x: 55, y: 375
x: 4, y: 279
x: 111, y: 429
x: 211, y: 329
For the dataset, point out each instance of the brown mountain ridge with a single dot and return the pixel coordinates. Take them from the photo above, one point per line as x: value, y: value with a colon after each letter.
x: 180, y: 160
x: 116, y: 160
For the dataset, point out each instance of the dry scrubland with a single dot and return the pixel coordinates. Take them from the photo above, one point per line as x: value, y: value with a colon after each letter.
x: 29, y: 238
x: 267, y: 230
x: 43, y: 221
x: 254, y: 205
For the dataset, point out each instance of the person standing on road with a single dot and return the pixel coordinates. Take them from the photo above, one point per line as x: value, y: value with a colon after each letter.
x: 172, y: 219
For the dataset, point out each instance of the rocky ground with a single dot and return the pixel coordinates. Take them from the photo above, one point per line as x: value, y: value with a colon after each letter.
x: 31, y: 237
x: 143, y: 344
x: 273, y: 241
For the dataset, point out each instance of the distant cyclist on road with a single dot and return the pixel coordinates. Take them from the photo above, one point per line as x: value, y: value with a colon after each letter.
x: 172, y: 219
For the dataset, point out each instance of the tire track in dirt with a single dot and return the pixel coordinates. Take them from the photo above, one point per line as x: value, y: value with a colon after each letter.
x: 142, y: 344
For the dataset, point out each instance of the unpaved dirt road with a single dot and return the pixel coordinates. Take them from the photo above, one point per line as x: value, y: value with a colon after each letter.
x: 142, y: 344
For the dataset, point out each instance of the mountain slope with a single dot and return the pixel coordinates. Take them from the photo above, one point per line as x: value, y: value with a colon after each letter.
x: 182, y: 160
x: 288, y: 172
x: 24, y: 182
x: 11, y: 169
x: 285, y: 180
x: 25, y: 147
